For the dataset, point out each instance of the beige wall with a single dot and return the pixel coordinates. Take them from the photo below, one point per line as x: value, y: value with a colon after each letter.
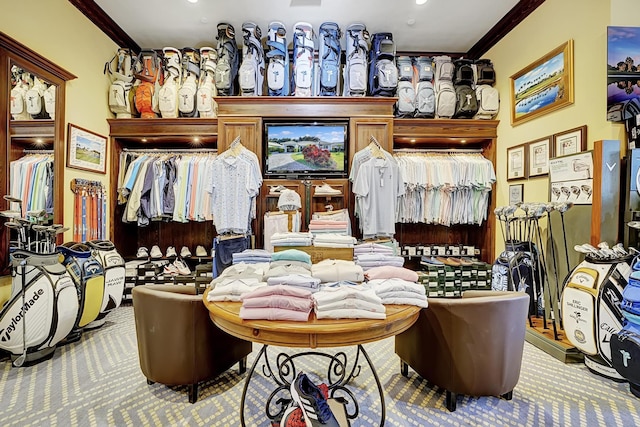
x: 58, y: 31
x: 552, y: 24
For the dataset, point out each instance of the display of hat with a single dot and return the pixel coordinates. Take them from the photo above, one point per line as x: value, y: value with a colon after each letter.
x: 289, y: 200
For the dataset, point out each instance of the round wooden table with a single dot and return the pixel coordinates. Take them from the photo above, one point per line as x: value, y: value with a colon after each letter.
x: 315, y: 333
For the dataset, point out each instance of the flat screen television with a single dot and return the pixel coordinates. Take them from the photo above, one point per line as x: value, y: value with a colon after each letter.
x: 306, y: 149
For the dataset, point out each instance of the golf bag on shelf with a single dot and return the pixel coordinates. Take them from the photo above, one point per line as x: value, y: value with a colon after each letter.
x: 50, y: 101
x: 187, y: 106
x: 488, y: 100
x: 625, y: 344
x: 21, y: 82
x: 35, y: 99
x: 303, y: 51
x: 228, y: 60
x: 591, y: 310
x: 168, y: 93
x: 406, y: 103
x: 278, y: 55
x: 114, y: 276
x: 443, y: 84
x: 120, y: 70
x: 515, y: 270
x: 88, y: 276
x: 34, y: 321
x: 150, y: 78
x: 483, y: 72
x: 251, y: 74
x: 355, y: 69
x: 206, y: 103
x: 466, y: 100
x: 329, y: 53
x: 425, y: 94
x: 383, y: 73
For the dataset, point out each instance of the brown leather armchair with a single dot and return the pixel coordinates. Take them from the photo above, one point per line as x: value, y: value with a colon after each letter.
x: 177, y: 342
x: 470, y: 346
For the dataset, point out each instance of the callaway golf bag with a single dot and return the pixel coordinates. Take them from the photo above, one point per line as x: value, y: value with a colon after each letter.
x: 114, y: 274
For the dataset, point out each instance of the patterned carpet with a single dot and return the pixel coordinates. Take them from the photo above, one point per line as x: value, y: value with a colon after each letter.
x: 97, y: 382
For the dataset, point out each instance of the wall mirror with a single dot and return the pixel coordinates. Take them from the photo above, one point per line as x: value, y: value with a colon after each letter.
x: 32, y: 94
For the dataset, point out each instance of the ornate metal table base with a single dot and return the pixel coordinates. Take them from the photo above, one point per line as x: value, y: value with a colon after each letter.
x: 339, y: 374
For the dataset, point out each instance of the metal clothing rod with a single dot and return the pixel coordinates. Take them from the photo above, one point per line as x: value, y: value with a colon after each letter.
x: 27, y: 151
x: 438, y: 150
x: 171, y: 150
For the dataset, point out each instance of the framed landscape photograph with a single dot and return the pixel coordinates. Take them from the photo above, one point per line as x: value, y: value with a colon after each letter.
x: 86, y: 150
x: 516, y: 162
x: 571, y: 141
x: 623, y: 75
x: 539, y: 153
x: 543, y: 86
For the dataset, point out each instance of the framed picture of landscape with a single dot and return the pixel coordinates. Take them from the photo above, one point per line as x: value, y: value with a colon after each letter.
x: 543, y: 86
x: 86, y: 150
x: 623, y: 74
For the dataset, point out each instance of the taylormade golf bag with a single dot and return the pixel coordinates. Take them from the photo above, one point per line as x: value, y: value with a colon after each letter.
x: 168, y: 93
x: 114, y: 275
x: 228, y: 60
x: 303, y: 51
x: 150, y: 78
x: 207, y: 87
x: 278, y: 68
x: 18, y: 100
x: 32, y: 323
x: 251, y: 74
x: 88, y: 277
x: 189, y: 87
x: 591, y: 310
x: 355, y: 69
x: 120, y: 70
x: 329, y: 52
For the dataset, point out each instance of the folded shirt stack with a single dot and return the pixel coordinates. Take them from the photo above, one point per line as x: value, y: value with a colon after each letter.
x: 278, y: 302
x: 391, y: 272
x: 298, y: 280
x: 284, y: 267
x: 252, y: 256
x: 348, y: 302
x: 336, y: 270
x: 374, y: 248
x: 367, y: 261
x: 233, y: 289
x: 333, y: 240
x: 291, y: 239
x: 399, y: 291
x: 323, y: 226
x: 242, y: 271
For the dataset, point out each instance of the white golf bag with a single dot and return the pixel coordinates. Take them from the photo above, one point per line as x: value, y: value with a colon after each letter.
x: 190, y: 74
x: 50, y: 101
x: 120, y: 70
x: 278, y: 68
x: 207, y: 106
x: 591, y: 310
x: 114, y: 274
x: 18, y: 98
x: 168, y: 94
x: 355, y: 70
x: 35, y: 99
x: 33, y: 322
x: 251, y: 73
x: 303, y: 61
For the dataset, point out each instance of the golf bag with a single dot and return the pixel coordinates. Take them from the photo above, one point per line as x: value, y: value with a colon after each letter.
x: 120, y: 70
x: 464, y: 74
x: 515, y: 270
x: 483, y: 72
x: 278, y: 68
x: 168, y: 93
x: 488, y: 100
x: 329, y: 52
x: 228, y: 60
x: 18, y: 99
x: 425, y: 94
x: 44, y: 313
x: 114, y: 275
x: 445, y: 92
x: 35, y: 99
x: 383, y: 73
x: 466, y: 101
x: 591, y: 310
x: 50, y: 101
x: 355, y: 69
x: 88, y: 276
x: 303, y: 51
x: 251, y: 75
x: 207, y: 87
x: 406, y: 103
x: 149, y: 78
x: 187, y: 106
x: 625, y: 344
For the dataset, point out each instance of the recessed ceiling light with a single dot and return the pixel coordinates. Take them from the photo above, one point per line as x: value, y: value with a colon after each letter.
x: 196, y: 1
x: 417, y: 1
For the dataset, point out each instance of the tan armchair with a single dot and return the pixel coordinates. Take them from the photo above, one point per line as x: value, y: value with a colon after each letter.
x: 177, y: 342
x: 470, y: 346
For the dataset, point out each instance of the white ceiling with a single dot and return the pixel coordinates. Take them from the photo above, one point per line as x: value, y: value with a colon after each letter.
x: 438, y: 26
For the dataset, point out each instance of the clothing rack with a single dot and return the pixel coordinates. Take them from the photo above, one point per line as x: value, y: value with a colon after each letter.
x: 438, y: 150
x: 170, y: 150
x: 34, y: 151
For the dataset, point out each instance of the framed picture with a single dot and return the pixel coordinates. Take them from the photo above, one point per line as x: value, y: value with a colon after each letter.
x: 516, y: 193
x: 543, y: 86
x: 86, y: 150
x: 571, y: 141
x: 516, y: 162
x: 623, y: 75
x: 539, y: 153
